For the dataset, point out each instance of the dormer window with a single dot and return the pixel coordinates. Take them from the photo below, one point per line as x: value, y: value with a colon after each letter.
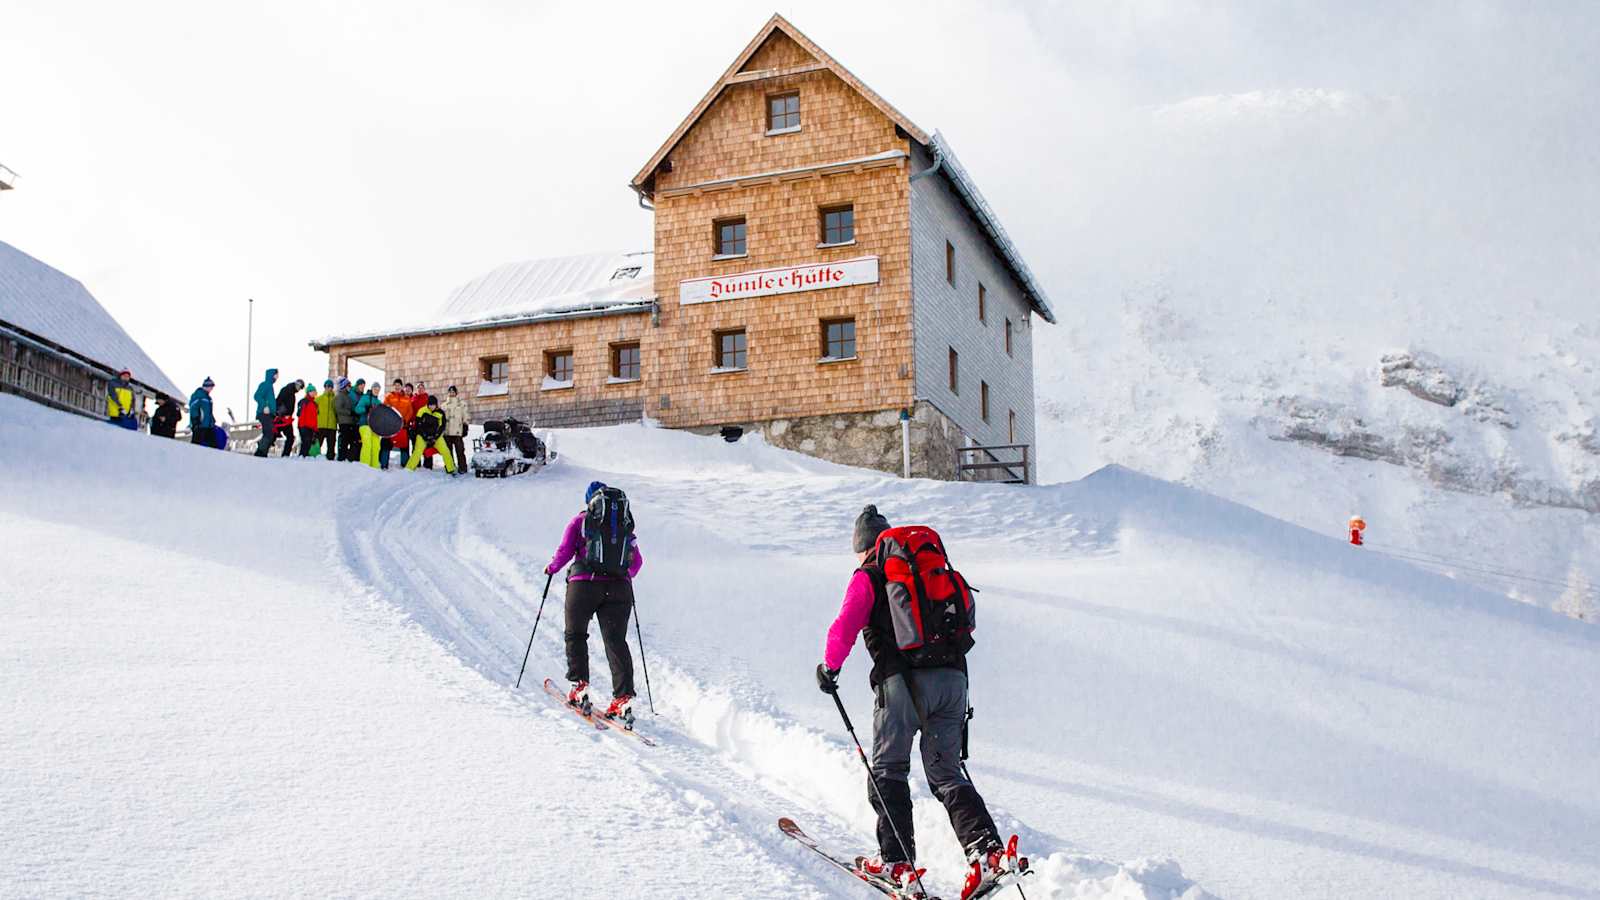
x: 783, y: 113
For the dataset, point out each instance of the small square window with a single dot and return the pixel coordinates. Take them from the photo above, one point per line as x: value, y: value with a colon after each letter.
x: 838, y: 338
x: 950, y: 262
x: 730, y: 349
x: 983, y: 303
x: 729, y: 237
x: 783, y: 112
x: 1008, y: 337
x: 955, y: 371
x: 838, y: 224
x: 625, y: 362
x: 558, y: 365
x: 495, y: 369
x: 983, y: 399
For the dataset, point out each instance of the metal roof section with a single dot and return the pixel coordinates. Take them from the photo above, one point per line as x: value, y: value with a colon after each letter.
x: 46, y: 303
x: 967, y: 189
x: 538, y: 290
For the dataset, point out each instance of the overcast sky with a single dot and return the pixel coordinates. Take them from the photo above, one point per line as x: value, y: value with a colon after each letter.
x: 347, y: 163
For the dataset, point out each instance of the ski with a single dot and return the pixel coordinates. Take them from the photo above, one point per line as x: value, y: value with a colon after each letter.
x: 788, y: 827
x: 600, y: 722
x: 557, y: 695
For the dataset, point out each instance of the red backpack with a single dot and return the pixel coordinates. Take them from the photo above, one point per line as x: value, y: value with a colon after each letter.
x: 930, y: 603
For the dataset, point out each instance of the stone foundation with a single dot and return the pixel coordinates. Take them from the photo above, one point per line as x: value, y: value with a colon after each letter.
x: 869, y: 440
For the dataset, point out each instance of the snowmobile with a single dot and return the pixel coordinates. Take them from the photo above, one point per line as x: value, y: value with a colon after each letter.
x: 508, y: 447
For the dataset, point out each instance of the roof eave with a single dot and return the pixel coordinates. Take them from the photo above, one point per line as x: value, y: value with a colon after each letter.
x: 617, y: 309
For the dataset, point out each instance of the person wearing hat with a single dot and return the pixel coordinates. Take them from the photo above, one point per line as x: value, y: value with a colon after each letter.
x: 344, y: 415
x: 305, y: 418
x: 932, y: 700
x: 119, y: 402
x: 267, y: 413
x: 455, y: 426
x: 429, y: 433
x: 164, y: 423
x: 202, y: 424
x: 327, y: 420
x: 593, y: 595
x: 369, y: 438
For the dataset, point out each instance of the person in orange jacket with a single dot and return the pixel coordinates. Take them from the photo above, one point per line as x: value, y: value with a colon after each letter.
x: 400, y: 401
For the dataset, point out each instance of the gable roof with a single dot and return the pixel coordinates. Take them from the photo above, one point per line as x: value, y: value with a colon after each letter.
x: 733, y: 75
x: 562, y: 287
x: 50, y: 304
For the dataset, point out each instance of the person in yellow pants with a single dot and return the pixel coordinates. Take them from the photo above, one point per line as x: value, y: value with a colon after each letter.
x: 430, y: 433
x: 370, y: 442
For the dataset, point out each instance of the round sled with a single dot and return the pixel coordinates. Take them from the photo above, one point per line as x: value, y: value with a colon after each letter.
x: 385, y: 421
x: 219, y: 437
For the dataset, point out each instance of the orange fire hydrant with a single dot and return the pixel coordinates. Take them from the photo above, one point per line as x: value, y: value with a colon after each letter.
x: 1357, y: 525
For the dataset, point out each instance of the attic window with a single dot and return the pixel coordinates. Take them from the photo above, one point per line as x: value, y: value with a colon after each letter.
x: 783, y: 113
x: 626, y: 272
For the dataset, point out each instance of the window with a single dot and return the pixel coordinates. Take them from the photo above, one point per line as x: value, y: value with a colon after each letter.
x: 558, y: 365
x: 730, y: 349
x: 729, y: 237
x: 983, y: 304
x: 838, y: 225
x: 496, y: 369
x: 983, y: 399
x: 625, y: 362
x: 955, y: 370
x: 838, y: 338
x: 1011, y: 426
x: 950, y: 262
x: 626, y: 272
x: 783, y: 112
x: 1008, y: 336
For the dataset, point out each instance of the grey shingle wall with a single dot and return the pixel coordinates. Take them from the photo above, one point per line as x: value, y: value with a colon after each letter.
x: 946, y: 316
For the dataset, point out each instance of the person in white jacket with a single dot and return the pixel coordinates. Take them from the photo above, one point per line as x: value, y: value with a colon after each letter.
x: 455, y: 426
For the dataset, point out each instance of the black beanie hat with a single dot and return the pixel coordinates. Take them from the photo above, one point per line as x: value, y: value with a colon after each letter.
x: 869, y: 525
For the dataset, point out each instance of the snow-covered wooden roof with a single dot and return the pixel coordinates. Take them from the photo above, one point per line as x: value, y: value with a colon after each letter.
x: 50, y: 304
x: 535, y: 290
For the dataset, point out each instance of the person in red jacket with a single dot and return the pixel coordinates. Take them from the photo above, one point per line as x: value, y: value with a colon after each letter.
x: 306, y: 418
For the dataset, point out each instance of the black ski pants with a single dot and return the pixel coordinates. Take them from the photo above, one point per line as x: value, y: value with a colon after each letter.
x: 611, y: 602
x: 325, y: 438
x: 308, y: 439
x: 943, y: 695
x: 458, y: 451
x: 349, y: 442
x: 269, y: 434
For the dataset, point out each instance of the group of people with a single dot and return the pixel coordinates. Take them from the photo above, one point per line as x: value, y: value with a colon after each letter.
x: 331, y: 422
x: 335, y: 422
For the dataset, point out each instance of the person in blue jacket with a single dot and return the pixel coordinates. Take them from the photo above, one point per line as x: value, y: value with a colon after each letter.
x: 267, y: 412
x: 369, y: 441
x: 202, y: 422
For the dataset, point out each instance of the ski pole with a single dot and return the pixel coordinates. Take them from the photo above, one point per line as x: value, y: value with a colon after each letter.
x: 642, y: 661
x: 873, y: 781
x: 547, y: 580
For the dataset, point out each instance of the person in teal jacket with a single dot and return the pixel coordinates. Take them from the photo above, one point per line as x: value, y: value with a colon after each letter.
x: 202, y: 421
x: 369, y: 441
x: 267, y: 412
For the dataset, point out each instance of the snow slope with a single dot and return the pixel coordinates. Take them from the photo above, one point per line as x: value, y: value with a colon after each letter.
x: 238, y: 677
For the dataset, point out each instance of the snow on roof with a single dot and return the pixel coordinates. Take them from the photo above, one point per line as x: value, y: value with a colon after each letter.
x: 46, y: 302
x: 558, y: 287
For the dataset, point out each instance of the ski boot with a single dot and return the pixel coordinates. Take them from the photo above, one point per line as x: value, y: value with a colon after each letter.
x: 902, y: 877
x: 992, y: 867
x: 581, y: 698
x: 621, y: 709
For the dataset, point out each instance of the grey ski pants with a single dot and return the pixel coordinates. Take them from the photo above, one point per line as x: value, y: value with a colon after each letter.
x: 943, y: 695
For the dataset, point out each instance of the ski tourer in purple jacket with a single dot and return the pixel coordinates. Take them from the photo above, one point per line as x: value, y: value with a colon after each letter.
x: 572, y: 547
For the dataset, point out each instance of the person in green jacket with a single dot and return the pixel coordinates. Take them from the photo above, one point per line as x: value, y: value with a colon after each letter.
x: 267, y: 413
x: 327, y: 422
x: 369, y: 441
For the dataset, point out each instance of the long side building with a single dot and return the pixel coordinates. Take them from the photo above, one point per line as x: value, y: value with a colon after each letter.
x: 824, y: 272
